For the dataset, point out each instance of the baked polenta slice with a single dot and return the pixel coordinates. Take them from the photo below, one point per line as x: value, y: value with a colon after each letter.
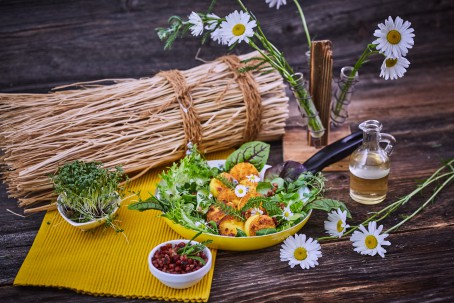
x: 256, y: 223
x: 216, y: 185
x: 242, y: 170
x: 229, y: 225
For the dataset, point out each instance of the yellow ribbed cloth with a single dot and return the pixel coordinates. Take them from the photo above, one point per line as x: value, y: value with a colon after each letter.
x: 102, y: 262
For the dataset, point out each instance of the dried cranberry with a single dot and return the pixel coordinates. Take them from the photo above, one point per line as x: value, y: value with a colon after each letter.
x: 167, y: 260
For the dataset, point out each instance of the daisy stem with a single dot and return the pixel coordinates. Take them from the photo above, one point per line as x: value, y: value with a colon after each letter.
x: 422, y: 206
x: 370, y: 49
x: 394, y: 206
x: 385, y: 212
x: 270, y: 60
x: 303, y: 20
x: 242, y: 6
x: 277, y: 60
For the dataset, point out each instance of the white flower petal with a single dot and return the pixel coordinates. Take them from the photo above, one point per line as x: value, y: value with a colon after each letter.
x: 276, y: 3
x: 359, y: 240
x: 241, y: 191
x: 196, y: 24
x: 237, y: 27
x: 311, y: 246
x: 395, y: 71
x: 399, y: 46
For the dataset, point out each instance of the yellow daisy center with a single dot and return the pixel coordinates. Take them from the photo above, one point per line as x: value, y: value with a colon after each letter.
x: 371, y: 242
x: 339, y: 226
x: 390, y: 62
x: 286, y: 214
x: 300, y: 253
x: 393, y: 37
x: 238, y: 29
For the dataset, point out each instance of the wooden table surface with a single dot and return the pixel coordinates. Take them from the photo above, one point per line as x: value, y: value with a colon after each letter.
x: 47, y: 43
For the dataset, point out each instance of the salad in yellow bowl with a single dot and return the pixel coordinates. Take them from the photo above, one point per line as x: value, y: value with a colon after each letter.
x: 240, y: 203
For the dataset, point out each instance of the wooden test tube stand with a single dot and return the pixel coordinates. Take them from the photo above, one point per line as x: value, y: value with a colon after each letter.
x: 297, y: 143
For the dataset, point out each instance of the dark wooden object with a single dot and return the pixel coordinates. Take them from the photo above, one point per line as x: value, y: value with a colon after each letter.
x: 46, y: 43
x: 321, y: 75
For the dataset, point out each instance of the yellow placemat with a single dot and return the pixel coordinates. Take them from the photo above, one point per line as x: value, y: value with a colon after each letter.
x: 103, y: 262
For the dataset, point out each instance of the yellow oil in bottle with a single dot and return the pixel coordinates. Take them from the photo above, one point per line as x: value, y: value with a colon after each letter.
x: 370, y: 166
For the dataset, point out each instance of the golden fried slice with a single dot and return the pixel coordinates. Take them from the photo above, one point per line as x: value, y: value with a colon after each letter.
x: 228, y: 195
x: 215, y: 214
x: 242, y: 170
x: 256, y: 223
x: 228, y: 226
x: 216, y: 186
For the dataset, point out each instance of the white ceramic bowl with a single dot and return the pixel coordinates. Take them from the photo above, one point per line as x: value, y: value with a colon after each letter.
x: 85, y: 225
x: 179, y: 281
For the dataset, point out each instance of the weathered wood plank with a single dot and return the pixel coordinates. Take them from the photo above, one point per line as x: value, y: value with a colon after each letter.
x: 89, y: 40
x: 47, y: 43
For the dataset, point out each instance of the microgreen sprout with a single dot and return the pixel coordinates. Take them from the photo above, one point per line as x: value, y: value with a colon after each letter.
x: 88, y: 191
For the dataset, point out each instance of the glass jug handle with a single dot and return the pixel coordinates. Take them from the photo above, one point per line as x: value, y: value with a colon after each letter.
x: 390, y: 142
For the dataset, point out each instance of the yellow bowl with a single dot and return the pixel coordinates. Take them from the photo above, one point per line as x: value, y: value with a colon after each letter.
x: 240, y: 243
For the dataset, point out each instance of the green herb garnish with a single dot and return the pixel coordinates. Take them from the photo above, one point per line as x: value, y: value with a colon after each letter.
x: 88, y: 191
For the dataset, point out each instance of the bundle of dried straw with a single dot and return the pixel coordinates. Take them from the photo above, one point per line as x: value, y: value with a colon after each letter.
x: 139, y: 124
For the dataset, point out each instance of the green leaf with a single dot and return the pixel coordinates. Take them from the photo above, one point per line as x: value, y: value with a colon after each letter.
x: 327, y: 205
x: 264, y: 187
x: 229, y: 210
x: 254, y: 152
x: 253, y: 202
x: 214, y: 227
x: 225, y: 181
x: 279, y: 181
x: 142, y: 206
x: 272, y: 208
x: 265, y: 231
x: 240, y: 233
x: 198, y: 259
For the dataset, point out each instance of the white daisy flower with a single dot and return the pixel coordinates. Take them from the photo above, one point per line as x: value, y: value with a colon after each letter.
x: 394, y: 37
x: 212, y: 25
x: 253, y: 178
x: 256, y: 211
x: 217, y: 36
x: 212, y: 21
x: 336, y: 224
x: 197, y: 24
x: 287, y: 213
x: 394, y: 68
x: 241, y: 191
x: 297, y: 250
x: 237, y: 27
x: 369, y: 242
x: 278, y: 3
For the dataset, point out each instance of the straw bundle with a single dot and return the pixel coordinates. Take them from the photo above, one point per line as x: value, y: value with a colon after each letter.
x: 139, y: 124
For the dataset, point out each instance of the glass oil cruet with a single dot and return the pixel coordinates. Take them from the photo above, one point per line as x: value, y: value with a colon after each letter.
x: 369, y: 165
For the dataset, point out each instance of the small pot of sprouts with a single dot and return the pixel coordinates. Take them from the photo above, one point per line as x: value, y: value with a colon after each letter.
x: 89, y: 194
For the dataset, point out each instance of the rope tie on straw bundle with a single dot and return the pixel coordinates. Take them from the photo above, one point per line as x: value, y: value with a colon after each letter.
x: 252, y: 99
x: 191, y: 121
x: 136, y: 123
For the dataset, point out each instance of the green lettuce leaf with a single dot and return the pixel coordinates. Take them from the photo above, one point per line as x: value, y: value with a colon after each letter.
x: 254, y: 152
